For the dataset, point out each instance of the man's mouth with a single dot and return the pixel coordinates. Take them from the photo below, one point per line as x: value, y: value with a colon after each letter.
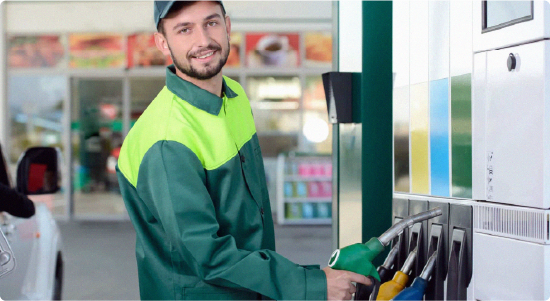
x: 208, y: 54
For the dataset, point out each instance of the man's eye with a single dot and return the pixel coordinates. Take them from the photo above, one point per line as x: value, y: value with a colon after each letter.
x: 185, y: 30
x: 212, y: 23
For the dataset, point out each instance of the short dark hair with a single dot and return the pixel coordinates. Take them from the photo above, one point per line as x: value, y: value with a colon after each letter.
x: 176, y: 7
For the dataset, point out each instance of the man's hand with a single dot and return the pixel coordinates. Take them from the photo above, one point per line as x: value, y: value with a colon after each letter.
x: 339, y: 283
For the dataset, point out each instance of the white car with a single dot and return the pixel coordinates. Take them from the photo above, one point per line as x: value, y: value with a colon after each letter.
x: 31, y: 262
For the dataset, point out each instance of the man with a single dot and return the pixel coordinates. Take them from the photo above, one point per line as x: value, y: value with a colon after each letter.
x: 192, y: 178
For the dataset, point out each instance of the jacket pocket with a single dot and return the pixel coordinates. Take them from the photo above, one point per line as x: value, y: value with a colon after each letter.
x: 217, y: 293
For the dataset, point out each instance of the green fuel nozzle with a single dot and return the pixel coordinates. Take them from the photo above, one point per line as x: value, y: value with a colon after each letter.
x: 364, y: 292
x: 358, y: 257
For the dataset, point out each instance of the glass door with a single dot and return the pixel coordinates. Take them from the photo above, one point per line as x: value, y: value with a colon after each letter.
x: 96, y: 137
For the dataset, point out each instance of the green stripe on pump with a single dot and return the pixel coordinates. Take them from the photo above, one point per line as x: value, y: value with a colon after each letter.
x: 461, y: 135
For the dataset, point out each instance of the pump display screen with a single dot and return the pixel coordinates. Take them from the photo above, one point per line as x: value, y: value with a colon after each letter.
x: 498, y: 14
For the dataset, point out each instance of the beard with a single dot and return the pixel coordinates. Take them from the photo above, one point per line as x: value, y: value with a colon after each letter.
x: 211, y: 69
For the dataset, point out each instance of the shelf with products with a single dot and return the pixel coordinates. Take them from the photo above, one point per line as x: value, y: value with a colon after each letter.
x: 308, y: 199
x: 304, y: 188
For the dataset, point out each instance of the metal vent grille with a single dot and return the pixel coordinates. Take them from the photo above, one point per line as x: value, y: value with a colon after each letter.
x: 520, y: 223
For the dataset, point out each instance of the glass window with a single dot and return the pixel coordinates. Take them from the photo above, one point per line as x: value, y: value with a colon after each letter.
x: 316, y: 129
x: 36, y: 110
x: 96, y: 140
x: 275, y: 103
x: 499, y: 14
x: 142, y: 91
x: 36, y: 114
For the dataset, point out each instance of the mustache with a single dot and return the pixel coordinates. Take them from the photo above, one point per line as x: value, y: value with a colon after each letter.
x: 210, y: 47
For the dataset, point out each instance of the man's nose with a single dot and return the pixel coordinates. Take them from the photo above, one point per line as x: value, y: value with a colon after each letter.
x: 203, y: 37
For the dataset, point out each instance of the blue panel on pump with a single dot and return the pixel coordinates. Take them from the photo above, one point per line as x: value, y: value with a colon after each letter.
x: 439, y: 137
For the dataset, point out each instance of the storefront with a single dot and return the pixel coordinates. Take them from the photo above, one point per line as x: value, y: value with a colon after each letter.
x: 80, y: 84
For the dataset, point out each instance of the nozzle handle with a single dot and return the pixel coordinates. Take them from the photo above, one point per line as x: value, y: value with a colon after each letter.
x: 428, y: 268
x: 357, y: 258
x: 396, y: 229
x: 391, y: 257
x: 367, y: 292
x: 407, y: 266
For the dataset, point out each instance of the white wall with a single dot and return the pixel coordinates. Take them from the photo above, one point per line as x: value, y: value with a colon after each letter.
x: 350, y: 36
x: 135, y: 16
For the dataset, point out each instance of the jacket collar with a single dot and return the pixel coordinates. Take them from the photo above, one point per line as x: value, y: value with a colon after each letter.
x: 194, y: 95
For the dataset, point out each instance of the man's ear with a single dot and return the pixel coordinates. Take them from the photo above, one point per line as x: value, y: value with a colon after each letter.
x: 162, y: 43
x: 228, y: 27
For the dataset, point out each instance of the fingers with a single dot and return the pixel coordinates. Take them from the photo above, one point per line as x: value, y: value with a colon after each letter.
x: 358, y: 278
x: 347, y: 297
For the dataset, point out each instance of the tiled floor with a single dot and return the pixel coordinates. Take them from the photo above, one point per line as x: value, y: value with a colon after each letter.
x: 100, y: 263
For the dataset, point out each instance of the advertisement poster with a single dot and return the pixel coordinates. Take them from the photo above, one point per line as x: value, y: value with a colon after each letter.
x: 272, y: 49
x: 318, y: 49
x: 96, y: 51
x: 142, y: 52
x: 35, y: 51
x: 234, y: 58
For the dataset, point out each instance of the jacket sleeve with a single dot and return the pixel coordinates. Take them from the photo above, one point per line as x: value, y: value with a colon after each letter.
x: 172, y: 183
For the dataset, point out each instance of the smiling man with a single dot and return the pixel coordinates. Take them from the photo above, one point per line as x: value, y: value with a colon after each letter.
x: 192, y: 177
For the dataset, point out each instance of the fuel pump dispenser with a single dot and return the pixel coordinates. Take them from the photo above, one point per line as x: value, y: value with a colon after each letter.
x: 438, y: 232
x: 400, y: 209
x: 391, y: 288
x: 418, y: 235
x: 418, y: 287
x: 358, y: 257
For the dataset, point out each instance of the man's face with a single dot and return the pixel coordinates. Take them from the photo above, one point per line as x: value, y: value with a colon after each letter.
x: 197, y: 39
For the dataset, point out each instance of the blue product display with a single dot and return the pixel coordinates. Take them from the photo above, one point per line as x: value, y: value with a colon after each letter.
x: 308, y: 210
x: 323, y: 210
x: 288, y: 189
x: 301, y: 189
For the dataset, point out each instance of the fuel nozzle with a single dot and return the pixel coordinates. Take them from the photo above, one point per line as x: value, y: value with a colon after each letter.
x: 358, y: 257
x: 418, y: 287
x: 385, y: 269
x: 363, y: 292
x: 391, y: 288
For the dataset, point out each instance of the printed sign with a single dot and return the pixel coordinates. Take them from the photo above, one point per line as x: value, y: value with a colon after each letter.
x: 96, y: 51
x: 35, y: 51
x: 318, y: 49
x: 142, y: 51
x: 272, y: 49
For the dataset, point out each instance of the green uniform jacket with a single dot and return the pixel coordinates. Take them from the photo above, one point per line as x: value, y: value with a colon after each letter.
x: 192, y: 178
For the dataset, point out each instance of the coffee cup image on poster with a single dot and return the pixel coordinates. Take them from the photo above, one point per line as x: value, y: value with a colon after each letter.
x: 272, y: 49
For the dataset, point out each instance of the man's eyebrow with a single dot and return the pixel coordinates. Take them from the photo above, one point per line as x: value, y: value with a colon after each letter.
x: 183, y: 24
x: 213, y: 16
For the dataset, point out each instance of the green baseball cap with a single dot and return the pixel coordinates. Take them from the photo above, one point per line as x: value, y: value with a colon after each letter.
x: 163, y: 7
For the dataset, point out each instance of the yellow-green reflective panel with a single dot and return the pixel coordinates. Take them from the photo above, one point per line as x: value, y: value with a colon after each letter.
x: 420, y: 180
